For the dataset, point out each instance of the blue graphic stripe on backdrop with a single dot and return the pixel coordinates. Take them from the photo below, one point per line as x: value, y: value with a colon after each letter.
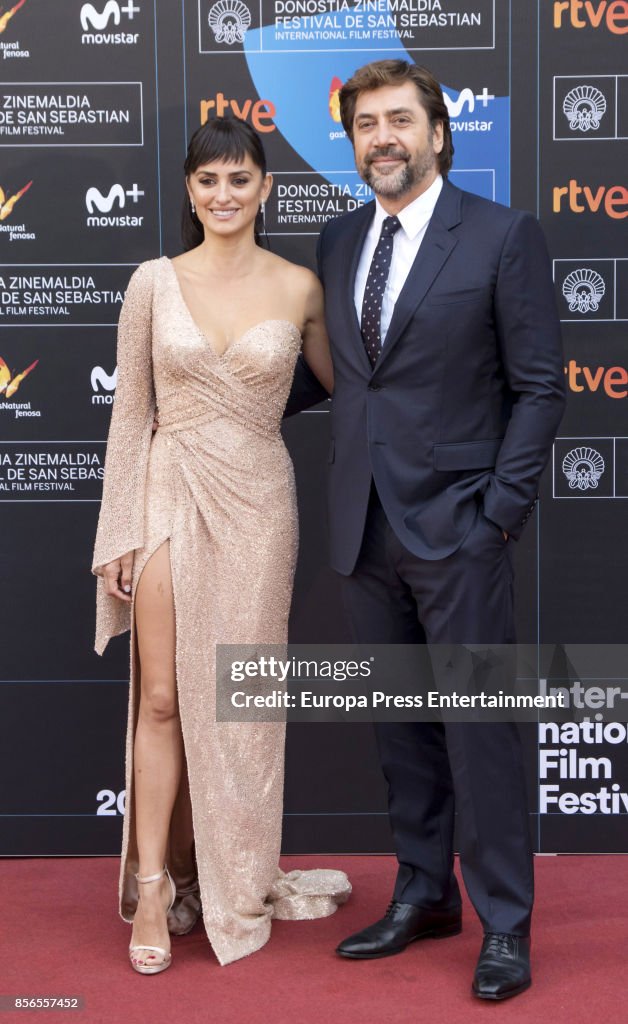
x: 300, y: 85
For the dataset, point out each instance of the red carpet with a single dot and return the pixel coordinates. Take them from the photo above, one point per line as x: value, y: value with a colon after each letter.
x: 61, y: 936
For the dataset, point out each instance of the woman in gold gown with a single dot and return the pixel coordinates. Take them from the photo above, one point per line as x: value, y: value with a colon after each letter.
x: 196, y: 545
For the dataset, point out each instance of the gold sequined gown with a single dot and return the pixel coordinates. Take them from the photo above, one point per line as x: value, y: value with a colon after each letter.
x: 216, y: 481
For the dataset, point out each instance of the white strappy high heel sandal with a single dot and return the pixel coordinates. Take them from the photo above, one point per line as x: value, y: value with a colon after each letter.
x: 166, y: 957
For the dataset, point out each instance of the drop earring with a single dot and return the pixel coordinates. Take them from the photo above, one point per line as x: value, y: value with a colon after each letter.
x: 263, y: 212
x: 192, y: 208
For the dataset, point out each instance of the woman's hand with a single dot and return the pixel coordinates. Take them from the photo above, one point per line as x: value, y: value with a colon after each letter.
x: 118, y: 576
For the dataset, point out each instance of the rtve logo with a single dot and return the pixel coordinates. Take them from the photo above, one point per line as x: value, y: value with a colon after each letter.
x: 611, y: 200
x: 92, y: 18
x: 117, y: 196
x: 611, y: 381
x: 609, y: 14
x: 260, y: 112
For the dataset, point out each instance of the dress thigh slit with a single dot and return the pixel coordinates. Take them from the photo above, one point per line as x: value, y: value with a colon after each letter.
x: 130, y: 857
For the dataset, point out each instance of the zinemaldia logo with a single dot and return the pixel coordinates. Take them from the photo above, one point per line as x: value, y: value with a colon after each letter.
x: 229, y: 21
x: 587, y: 108
x: 99, y: 26
x: 584, y: 107
x: 103, y: 386
x: 102, y: 208
x: 583, y: 468
x: 583, y: 290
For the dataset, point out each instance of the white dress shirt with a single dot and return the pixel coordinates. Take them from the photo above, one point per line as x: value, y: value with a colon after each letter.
x: 414, y: 219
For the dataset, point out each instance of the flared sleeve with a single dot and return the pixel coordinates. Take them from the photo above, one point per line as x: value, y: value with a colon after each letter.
x: 121, y: 520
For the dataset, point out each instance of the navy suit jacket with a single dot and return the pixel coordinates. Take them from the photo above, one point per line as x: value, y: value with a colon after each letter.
x: 459, y: 413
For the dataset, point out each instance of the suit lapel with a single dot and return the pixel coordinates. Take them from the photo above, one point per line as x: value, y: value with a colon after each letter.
x: 435, y: 249
x: 349, y: 249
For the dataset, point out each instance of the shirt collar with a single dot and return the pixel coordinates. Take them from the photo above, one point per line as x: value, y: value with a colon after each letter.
x: 416, y: 214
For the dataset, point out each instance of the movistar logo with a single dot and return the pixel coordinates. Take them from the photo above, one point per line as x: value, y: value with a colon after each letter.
x: 95, y: 198
x: 103, y: 381
x: 94, y: 19
x: 100, y: 204
x: 467, y: 98
x: 466, y: 104
x: 94, y: 23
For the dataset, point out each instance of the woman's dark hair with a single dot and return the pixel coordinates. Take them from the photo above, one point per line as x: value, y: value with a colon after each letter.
x: 221, y: 138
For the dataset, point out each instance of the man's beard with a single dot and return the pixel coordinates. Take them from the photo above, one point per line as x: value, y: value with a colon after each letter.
x: 396, y: 184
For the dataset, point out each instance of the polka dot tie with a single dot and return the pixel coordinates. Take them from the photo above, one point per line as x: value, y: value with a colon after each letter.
x: 375, y: 286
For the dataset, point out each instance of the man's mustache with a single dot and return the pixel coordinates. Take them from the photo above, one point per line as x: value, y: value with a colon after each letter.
x: 388, y: 151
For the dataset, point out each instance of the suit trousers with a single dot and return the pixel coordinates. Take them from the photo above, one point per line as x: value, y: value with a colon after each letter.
x: 437, y: 769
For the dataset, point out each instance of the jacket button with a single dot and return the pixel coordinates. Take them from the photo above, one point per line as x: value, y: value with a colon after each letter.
x: 374, y: 387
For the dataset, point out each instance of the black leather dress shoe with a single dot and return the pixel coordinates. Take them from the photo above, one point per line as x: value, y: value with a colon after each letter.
x: 503, y: 969
x: 402, y: 923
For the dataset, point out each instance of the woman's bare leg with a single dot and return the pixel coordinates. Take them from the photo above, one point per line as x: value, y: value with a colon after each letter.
x: 158, y: 749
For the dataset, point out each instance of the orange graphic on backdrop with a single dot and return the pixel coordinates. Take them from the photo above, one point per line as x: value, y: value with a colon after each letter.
x: 334, y: 99
x: 8, y: 385
x: 6, y: 18
x: 6, y: 205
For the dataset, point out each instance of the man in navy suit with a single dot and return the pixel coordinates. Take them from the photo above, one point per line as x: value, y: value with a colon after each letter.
x: 448, y: 393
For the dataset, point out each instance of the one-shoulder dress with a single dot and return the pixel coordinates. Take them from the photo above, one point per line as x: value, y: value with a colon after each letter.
x: 217, y: 482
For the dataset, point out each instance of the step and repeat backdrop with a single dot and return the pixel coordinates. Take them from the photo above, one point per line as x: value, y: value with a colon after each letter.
x: 97, y: 102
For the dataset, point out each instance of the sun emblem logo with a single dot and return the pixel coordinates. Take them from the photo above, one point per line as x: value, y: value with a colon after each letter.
x: 229, y: 20
x: 583, y: 468
x: 584, y: 107
x: 6, y: 18
x: 10, y: 382
x: 584, y: 290
x: 8, y: 202
x: 334, y: 99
